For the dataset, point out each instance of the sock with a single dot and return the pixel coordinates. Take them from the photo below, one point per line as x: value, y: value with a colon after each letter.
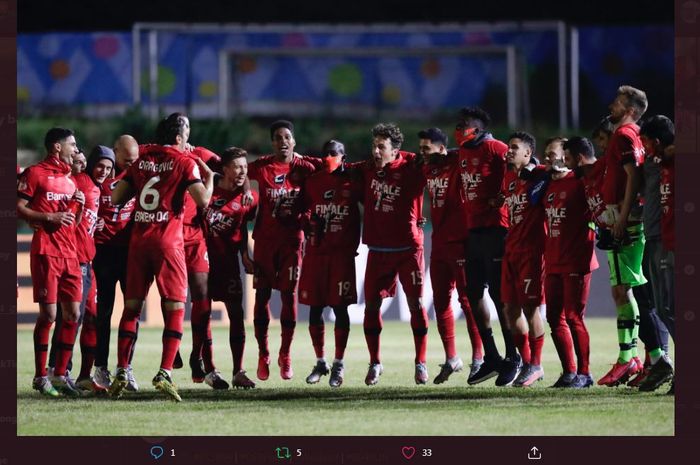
x: 288, y: 320
x: 655, y: 355
x: 341, y: 341
x: 561, y: 336
x: 523, y: 345
x: 317, y: 333
x: 491, y: 352
x: 42, y: 330
x: 128, y: 329
x: 419, y: 326
x: 66, y: 340
x: 88, y: 345
x: 446, y: 328
x: 172, y: 334
x: 199, y: 319
x: 372, y: 326
x: 536, y: 344
x: 627, y: 316
x: 473, y: 330
x: 261, y: 322
x: 236, y: 334
x: 581, y: 340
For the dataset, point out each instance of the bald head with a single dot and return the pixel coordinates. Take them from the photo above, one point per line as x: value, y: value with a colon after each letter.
x: 126, y: 151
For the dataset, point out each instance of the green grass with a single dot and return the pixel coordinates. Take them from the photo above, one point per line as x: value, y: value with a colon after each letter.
x: 396, y: 406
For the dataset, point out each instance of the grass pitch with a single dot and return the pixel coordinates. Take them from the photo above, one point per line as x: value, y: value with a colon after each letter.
x: 395, y: 407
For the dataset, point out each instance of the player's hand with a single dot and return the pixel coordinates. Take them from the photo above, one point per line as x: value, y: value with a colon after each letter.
x: 247, y: 199
x: 79, y: 197
x: 189, y: 147
x: 61, y: 218
x: 619, y: 228
x: 100, y: 224
x: 205, y: 171
x: 498, y: 201
x: 422, y: 221
x: 248, y: 264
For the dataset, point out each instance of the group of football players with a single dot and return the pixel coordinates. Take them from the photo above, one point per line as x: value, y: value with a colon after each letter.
x: 502, y: 223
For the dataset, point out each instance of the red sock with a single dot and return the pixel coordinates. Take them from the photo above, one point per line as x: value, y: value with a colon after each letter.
x: 128, y: 328
x: 66, y: 341
x: 172, y: 334
x: 42, y: 331
x: 372, y: 325
x: 472, y: 329
x: 88, y: 345
x: 341, y: 341
x: 561, y: 336
x: 288, y: 320
x: 261, y: 322
x: 317, y: 333
x: 201, y: 332
x: 419, y: 325
x: 581, y: 341
x: 446, y: 328
x: 536, y: 344
x: 523, y: 346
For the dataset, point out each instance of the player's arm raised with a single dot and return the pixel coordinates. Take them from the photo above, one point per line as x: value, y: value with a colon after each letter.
x: 201, y: 192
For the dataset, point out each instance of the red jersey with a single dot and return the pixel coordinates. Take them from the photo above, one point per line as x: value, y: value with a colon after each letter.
x: 448, y: 209
x: 592, y: 183
x: 333, y: 197
x: 85, y: 243
x: 191, y: 218
x: 668, y: 235
x: 279, y: 185
x: 527, y: 221
x: 393, y: 204
x: 624, y: 147
x: 117, y: 218
x: 569, y: 247
x: 160, y: 178
x: 482, y: 170
x: 49, y: 189
x: 223, y: 219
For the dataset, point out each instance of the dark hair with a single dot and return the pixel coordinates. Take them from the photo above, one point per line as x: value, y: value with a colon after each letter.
x: 169, y: 128
x: 231, y: 154
x: 475, y: 113
x: 333, y: 145
x: 636, y: 99
x: 526, y: 137
x: 604, y: 126
x: 389, y: 131
x: 560, y: 139
x: 580, y: 146
x: 281, y: 123
x: 434, y: 135
x: 56, y: 135
x: 659, y: 127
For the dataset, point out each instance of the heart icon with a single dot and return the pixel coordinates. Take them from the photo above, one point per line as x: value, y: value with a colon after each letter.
x: 408, y: 452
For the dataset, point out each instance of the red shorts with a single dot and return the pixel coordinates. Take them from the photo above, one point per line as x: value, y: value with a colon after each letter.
x: 328, y: 280
x: 276, y: 265
x: 447, y: 270
x: 225, y: 282
x: 522, y: 276
x: 196, y: 257
x: 56, y: 279
x: 382, y: 268
x: 166, y: 265
x: 566, y: 292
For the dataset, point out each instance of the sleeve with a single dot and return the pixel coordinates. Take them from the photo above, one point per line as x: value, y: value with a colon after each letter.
x: 627, y: 151
x: 27, y: 184
x: 316, y: 162
x: 254, y: 169
x: 190, y: 171
x: 212, y: 160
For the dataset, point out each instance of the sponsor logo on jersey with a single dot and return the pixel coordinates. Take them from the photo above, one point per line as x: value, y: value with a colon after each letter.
x: 235, y: 206
x: 219, y: 202
x: 511, y: 186
x: 463, y: 163
x: 550, y: 197
x: 562, y: 195
x: 396, y: 176
x: 475, y: 161
x: 113, y: 185
x: 328, y: 195
x: 279, y: 179
x: 57, y: 196
x: 381, y: 174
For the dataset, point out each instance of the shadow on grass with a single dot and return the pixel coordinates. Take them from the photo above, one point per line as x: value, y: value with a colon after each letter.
x: 356, y: 394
